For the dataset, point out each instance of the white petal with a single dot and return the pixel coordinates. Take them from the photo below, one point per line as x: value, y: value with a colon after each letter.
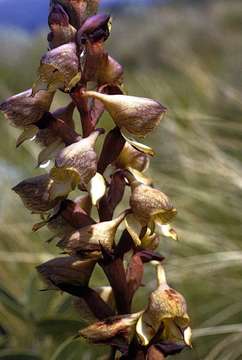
x: 134, y: 228
x: 139, y: 176
x: 97, y: 188
x: 45, y: 165
x: 167, y: 231
x: 142, y: 331
x: 187, y: 336
x: 137, y: 145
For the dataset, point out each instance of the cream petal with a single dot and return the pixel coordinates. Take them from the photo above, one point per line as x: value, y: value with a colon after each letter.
x: 160, y: 273
x: 187, y: 334
x: 137, y: 145
x: 106, y: 294
x: 140, y: 177
x: 150, y: 240
x: 167, y: 231
x: 144, y: 332
x: 64, y: 180
x: 45, y: 164
x: 96, y: 188
x: 134, y: 228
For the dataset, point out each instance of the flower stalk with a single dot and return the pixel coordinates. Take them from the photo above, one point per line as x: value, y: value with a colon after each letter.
x: 121, y: 245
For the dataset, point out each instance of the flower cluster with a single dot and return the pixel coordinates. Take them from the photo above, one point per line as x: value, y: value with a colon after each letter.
x: 78, y: 64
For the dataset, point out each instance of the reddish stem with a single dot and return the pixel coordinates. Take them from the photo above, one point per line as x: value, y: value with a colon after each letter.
x: 116, y: 275
x: 88, y: 123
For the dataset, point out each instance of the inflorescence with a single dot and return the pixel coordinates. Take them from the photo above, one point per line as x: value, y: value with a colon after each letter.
x: 78, y: 65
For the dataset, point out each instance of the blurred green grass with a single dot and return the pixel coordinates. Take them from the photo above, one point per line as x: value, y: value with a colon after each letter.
x: 189, y: 58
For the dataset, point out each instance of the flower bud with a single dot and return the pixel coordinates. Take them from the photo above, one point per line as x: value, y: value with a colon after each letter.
x: 95, y: 28
x: 139, y: 116
x: 114, y: 330
x: 61, y: 30
x: 78, y: 10
x: 59, y: 69
x: 23, y: 109
x: 167, y: 309
x: 69, y: 270
x: 110, y: 72
x: 81, y: 157
x: 92, y: 238
x: 35, y: 193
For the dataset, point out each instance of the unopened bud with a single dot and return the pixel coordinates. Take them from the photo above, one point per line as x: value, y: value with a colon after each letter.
x: 110, y: 72
x: 78, y: 10
x: 68, y: 270
x: 62, y: 32
x: 94, y: 29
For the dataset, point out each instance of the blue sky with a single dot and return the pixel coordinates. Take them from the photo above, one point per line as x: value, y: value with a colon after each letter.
x: 31, y: 15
